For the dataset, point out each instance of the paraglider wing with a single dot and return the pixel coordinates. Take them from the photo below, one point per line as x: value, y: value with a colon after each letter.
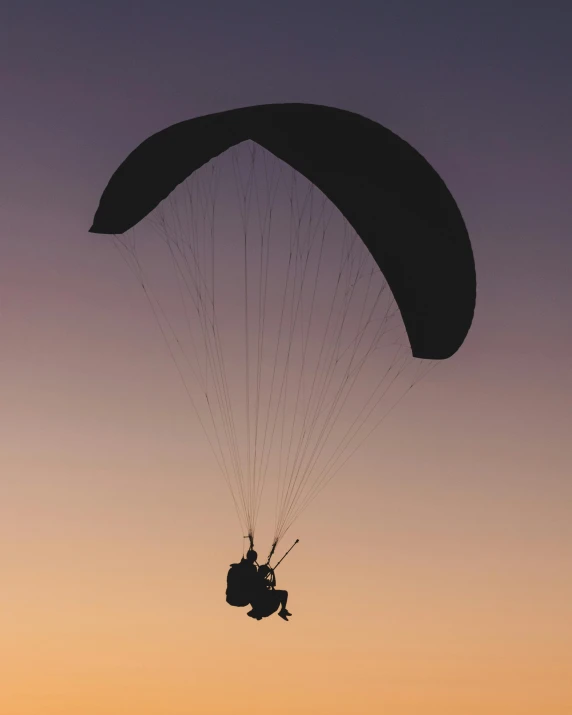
x: 388, y: 192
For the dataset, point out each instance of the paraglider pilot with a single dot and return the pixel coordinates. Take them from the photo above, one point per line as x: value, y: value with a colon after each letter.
x: 247, y: 584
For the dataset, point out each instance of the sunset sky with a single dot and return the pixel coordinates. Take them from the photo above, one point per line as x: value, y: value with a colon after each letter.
x: 433, y: 575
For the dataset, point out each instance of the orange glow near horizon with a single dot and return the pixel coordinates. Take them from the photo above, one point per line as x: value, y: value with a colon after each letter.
x: 410, y: 591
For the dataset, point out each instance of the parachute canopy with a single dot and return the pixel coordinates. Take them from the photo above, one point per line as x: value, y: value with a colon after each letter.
x: 305, y: 257
x: 387, y: 191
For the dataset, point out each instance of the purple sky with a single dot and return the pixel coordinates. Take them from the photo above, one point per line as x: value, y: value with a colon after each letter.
x: 482, y: 92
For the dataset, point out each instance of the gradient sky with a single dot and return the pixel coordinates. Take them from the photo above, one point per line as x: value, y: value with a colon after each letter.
x: 450, y: 530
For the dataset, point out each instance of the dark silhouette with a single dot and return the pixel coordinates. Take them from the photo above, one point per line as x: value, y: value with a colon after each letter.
x: 248, y: 585
x: 266, y: 599
x: 393, y: 198
x: 241, y: 580
x: 395, y: 201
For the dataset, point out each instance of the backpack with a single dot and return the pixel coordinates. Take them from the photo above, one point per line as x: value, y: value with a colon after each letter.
x: 238, y: 586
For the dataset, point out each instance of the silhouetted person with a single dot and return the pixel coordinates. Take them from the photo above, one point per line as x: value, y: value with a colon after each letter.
x: 266, y: 599
x: 242, y: 580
